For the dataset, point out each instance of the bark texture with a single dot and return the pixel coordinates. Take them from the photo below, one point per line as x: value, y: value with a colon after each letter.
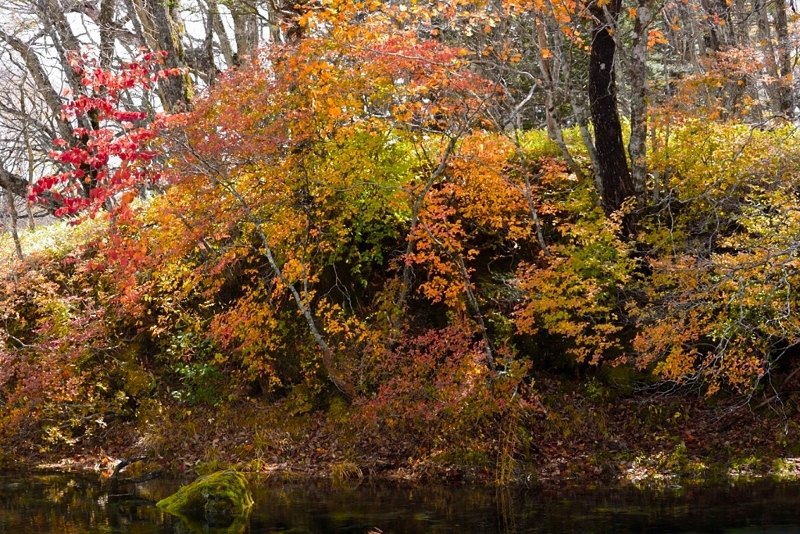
x: 611, y: 158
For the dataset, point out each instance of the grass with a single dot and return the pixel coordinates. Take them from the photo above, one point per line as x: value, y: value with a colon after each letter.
x: 55, y: 240
x: 346, y: 470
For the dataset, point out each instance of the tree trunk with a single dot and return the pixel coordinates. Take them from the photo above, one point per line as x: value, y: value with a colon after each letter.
x: 637, y: 74
x: 12, y: 212
x: 611, y: 159
x: 108, y: 32
x: 215, y: 22
x: 64, y: 40
x: 176, y: 90
x: 18, y: 186
x: 42, y: 81
x: 720, y: 28
x: 577, y: 101
x: 550, y: 68
x: 245, y: 29
x: 134, y: 17
x: 784, y: 55
x: 13, y: 184
x: 773, y: 85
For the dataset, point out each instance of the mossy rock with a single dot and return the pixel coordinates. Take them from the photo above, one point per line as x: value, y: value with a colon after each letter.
x: 218, y: 498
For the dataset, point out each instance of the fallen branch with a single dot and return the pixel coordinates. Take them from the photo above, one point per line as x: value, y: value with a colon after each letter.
x: 134, y: 480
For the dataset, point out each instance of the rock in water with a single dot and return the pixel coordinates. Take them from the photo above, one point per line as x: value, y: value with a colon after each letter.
x: 217, y: 498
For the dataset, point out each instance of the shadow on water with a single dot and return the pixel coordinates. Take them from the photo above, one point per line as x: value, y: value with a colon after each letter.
x: 58, y: 503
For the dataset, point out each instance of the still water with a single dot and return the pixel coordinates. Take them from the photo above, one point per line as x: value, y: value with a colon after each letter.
x: 64, y: 504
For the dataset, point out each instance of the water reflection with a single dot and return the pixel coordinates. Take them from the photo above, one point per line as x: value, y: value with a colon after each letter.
x: 71, y: 504
x: 80, y: 504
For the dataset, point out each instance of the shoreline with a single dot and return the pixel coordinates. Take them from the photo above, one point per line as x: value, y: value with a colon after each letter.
x: 638, y: 440
x: 655, y: 472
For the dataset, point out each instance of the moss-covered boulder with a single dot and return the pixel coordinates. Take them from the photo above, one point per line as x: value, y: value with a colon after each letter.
x: 218, y: 498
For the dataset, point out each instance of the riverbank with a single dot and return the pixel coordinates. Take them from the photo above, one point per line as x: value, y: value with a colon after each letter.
x: 644, y: 441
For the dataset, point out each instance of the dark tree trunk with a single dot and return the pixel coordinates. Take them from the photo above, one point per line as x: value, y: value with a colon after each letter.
x: 612, y: 161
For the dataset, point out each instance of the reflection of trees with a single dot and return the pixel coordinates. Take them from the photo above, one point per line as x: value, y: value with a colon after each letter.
x: 188, y: 526
x: 67, y: 504
x: 73, y: 504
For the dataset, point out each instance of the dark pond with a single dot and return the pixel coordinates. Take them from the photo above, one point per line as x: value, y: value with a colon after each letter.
x: 62, y: 504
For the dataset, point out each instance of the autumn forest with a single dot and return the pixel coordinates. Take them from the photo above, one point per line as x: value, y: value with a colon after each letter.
x: 498, y: 239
